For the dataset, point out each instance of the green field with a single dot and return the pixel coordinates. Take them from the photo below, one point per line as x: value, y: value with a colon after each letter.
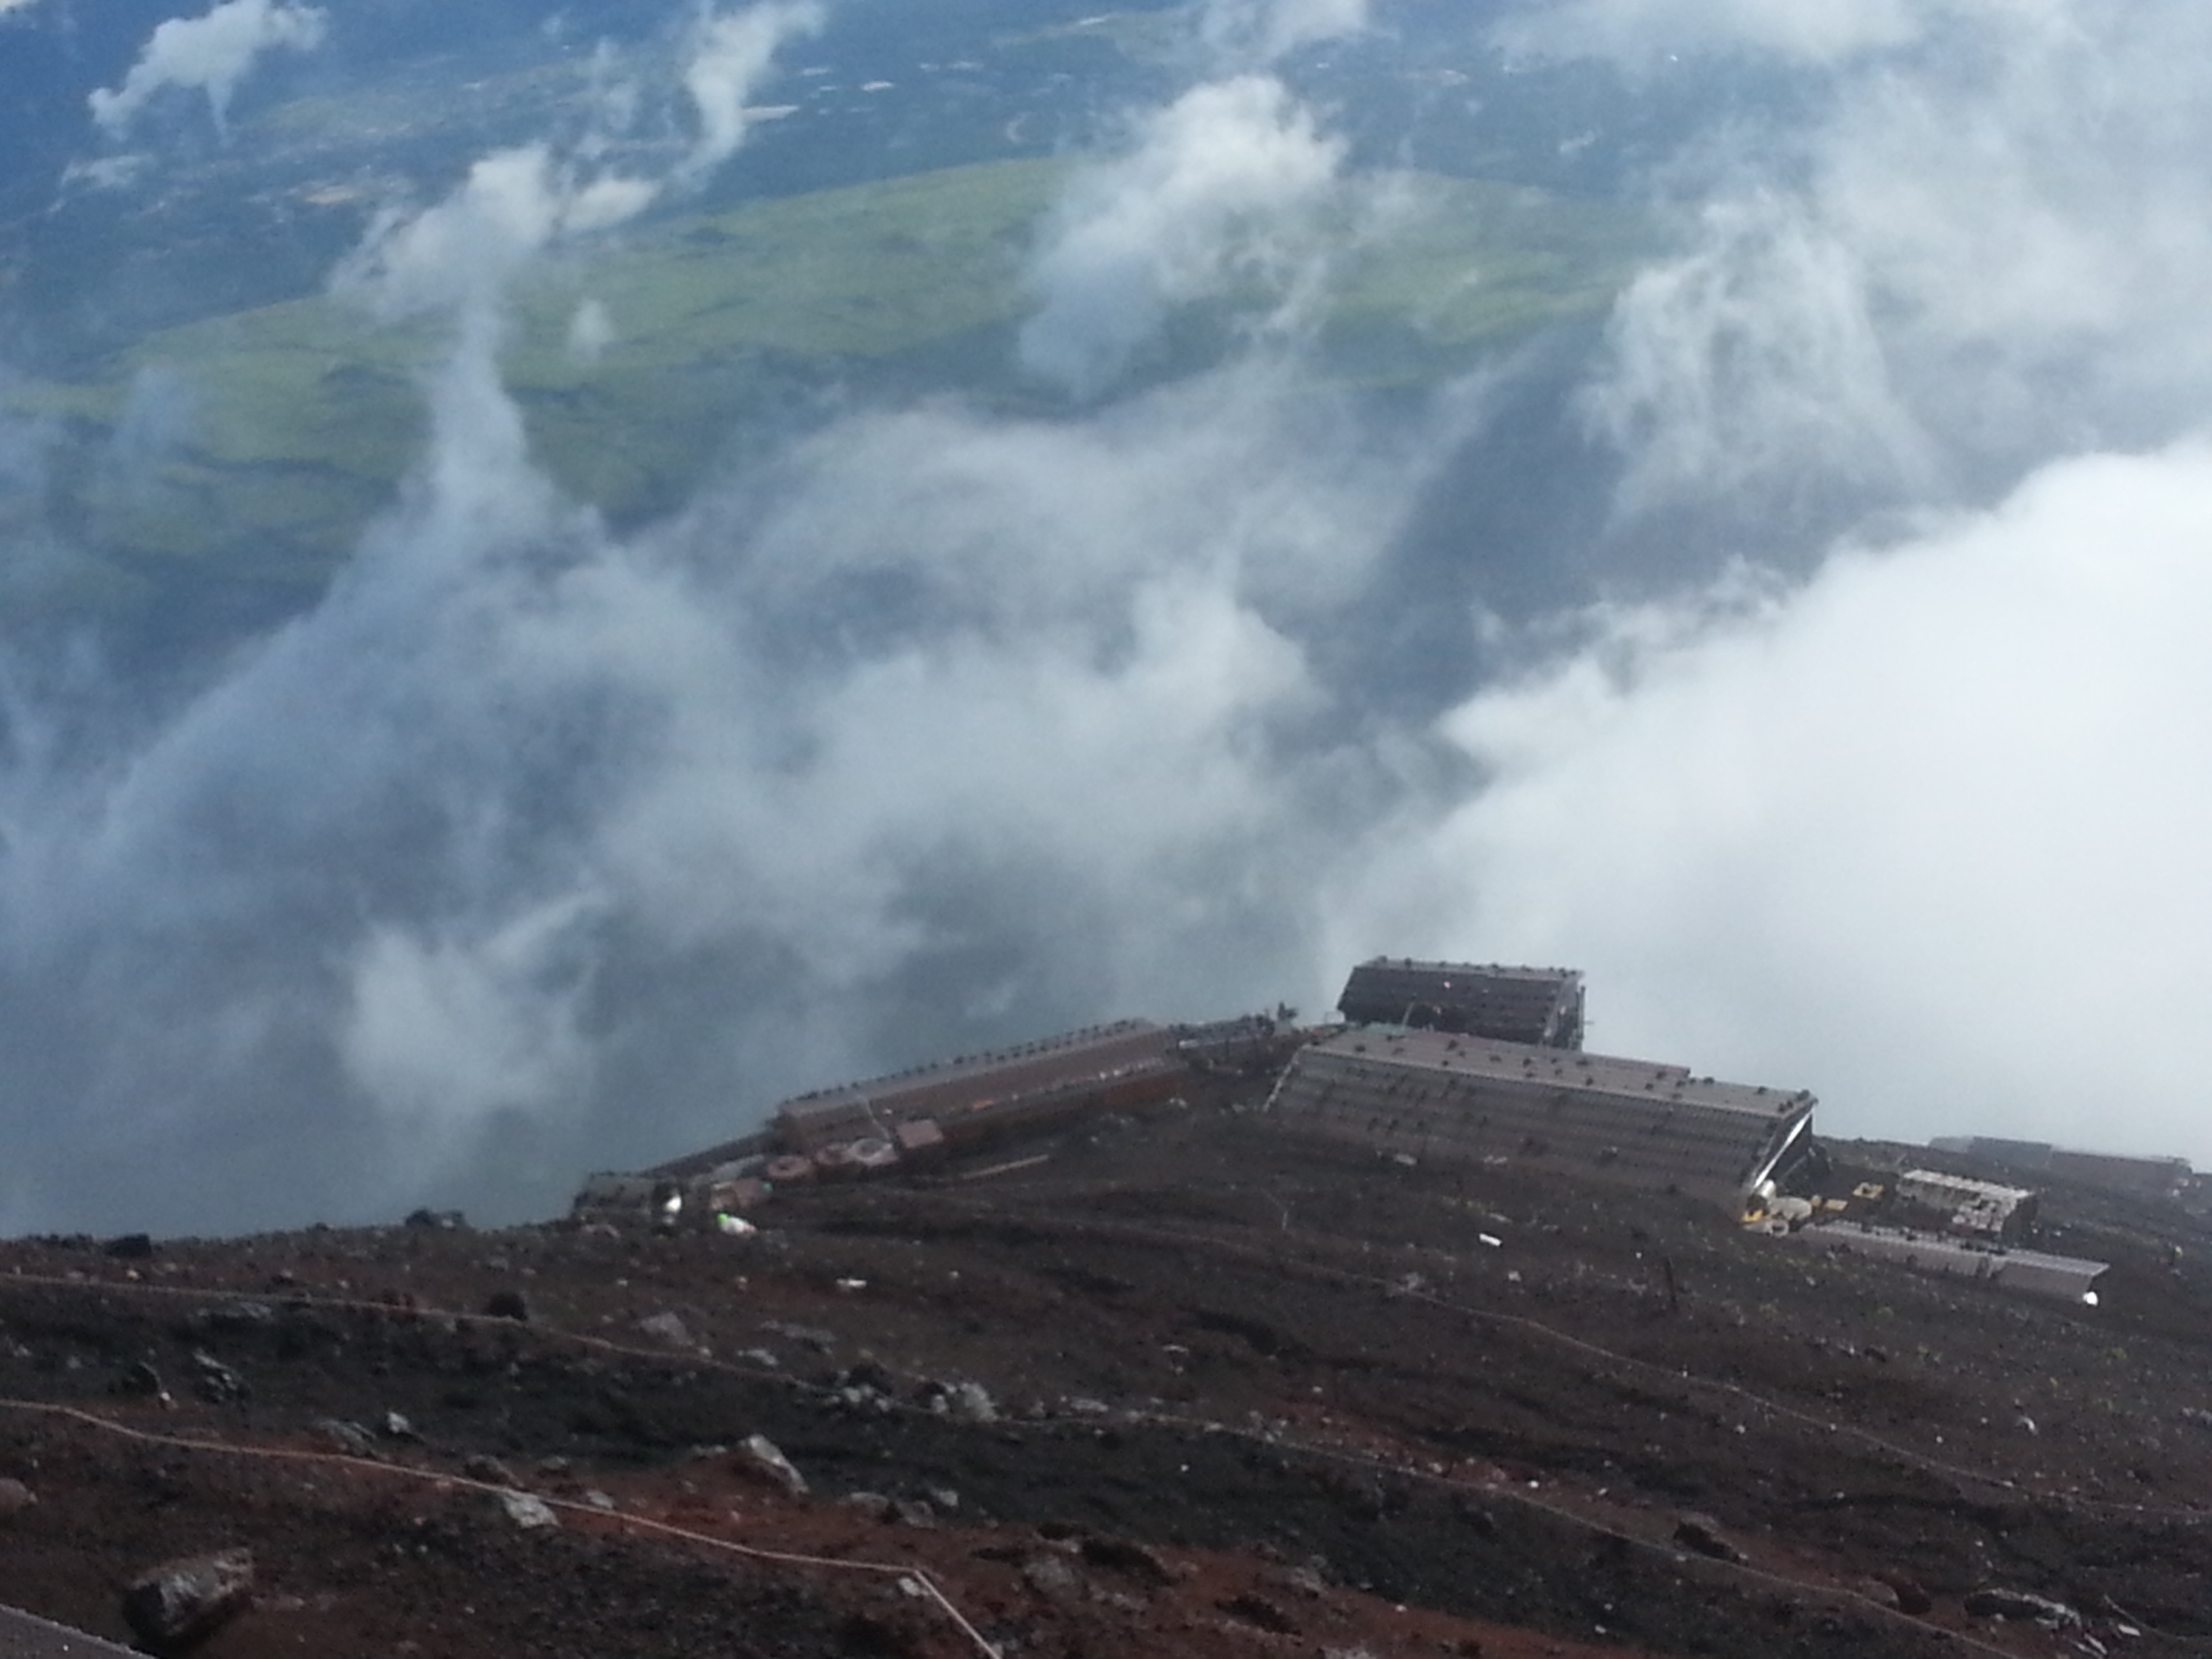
x: 301, y: 417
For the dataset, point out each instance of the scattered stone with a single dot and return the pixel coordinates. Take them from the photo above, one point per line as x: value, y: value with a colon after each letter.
x: 181, y: 1602
x: 1702, y: 1534
x: 350, y: 1438
x: 1257, y: 1610
x: 1053, y: 1578
x: 2196, y: 1415
x: 760, y: 1455
x: 944, y: 1497
x: 869, y: 1372
x: 396, y: 1427
x: 142, y: 1379
x: 910, y: 1512
x: 1995, y: 1603
x: 247, y: 1316
x: 970, y: 1402
x: 667, y: 1330
x: 214, y: 1382
x: 132, y: 1247
x: 821, y: 1341
x: 597, y: 1499
x: 528, y: 1512
x: 487, y: 1469
x: 507, y: 1304
x: 14, y: 1498
x: 1912, y: 1597
x: 859, y: 1397
x: 1126, y: 1555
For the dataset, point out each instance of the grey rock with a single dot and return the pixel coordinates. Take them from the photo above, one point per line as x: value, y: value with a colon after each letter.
x: 1912, y: 1596
x: 1126, y: 1555
x: 350, y: 1438
x: 214, y: 1382
x: 396, y: 1427
x: 182, y: 1601
x: 14, y: 1498
x: 247, y: 1316
x: 489, y: 1470
x: 970, y: 1402
x: 1053, y: 1579
x: 507, y: 1304
x: 1702, y: 1534
x: 530, y: 1513
x: 668, y: 1329
x: 142, y: 1379
x: 760, y: 1455
x: 1994, y: 1603
x: 806, y: 1335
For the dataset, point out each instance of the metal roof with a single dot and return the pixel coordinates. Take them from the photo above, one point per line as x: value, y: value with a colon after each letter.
x: 1541, y: 1005
x: 973, y: 1082
x: 1458, y: 1098
x: 26, y: 1636
x: 2069, y: 1277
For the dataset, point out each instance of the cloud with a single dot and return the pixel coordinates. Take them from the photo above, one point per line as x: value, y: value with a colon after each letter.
x: 1638, y: 32
x: 1754, y: 365
x: 1972, y: 257
x: 536, y: 846
x: 213, y: 52
x: 1892, y: 810
x: 464, y: 252
x: 1258, y: 32
x: 730, y: 58
x: 1214, y: 199
x: 1922, y: 836
x: 532, y: 848
x: 461, y: 254
x: 446, y: 1031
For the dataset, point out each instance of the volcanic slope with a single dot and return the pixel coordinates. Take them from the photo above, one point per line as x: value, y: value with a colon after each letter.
x: 1180, y: 1387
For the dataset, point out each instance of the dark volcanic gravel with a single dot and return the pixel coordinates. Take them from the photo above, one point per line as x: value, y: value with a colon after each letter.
x: 1181, y: 1388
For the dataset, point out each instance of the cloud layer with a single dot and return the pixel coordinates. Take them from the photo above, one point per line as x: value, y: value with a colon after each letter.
x: 536, y: 846
x: 1920, y: 834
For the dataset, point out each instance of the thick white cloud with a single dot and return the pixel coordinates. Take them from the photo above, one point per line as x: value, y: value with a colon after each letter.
x: 1213, y: 199
x: 1753, y: 361
x: 730, y: 59
x: 211, y: 53
x: 445, y: 1032
x: 1926, y: 835
x: 1976, y: 257
x: 465, y: 251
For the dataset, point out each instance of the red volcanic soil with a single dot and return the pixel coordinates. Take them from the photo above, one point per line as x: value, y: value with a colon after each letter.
x: 1181, y: 1387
